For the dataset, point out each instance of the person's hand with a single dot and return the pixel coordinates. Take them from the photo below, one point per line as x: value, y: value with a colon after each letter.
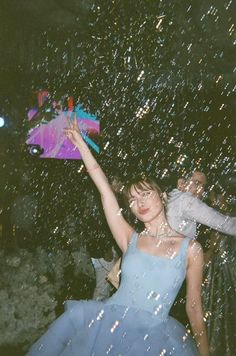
x: 73, y: 132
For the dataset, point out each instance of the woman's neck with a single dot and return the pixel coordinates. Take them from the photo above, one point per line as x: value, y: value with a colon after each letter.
x: 158, y: 227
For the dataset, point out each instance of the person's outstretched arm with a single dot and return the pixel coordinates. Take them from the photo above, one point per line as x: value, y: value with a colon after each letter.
x: 200, y: 212
x: 120, y: 229
x: 193, y: 302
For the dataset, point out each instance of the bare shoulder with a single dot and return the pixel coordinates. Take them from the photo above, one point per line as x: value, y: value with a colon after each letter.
x: 195, y: 252
x: 194, y: 245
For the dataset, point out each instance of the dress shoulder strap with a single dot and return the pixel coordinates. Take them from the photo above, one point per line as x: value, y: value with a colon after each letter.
x: 184, y: 246
x: 134, y: 238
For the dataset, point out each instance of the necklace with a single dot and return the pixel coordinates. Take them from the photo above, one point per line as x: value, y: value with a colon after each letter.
x: 164, y: 234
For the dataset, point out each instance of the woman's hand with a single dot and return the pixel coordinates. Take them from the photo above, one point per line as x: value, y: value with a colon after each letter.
x: 73, y: 132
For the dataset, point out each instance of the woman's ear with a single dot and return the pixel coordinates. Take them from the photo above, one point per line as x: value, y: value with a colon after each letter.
x: 181, y: 184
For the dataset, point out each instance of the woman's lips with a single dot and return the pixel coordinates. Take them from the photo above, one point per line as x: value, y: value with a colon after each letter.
x: 143, y: 211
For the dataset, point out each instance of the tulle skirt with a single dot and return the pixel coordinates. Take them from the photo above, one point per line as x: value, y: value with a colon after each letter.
x: 91, y: 328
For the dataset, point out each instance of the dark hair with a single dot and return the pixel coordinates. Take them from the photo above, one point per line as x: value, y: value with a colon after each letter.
x: 141, y: 183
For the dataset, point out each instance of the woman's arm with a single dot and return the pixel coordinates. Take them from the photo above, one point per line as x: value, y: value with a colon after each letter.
x: 194, y: 304
x: 120, y: 229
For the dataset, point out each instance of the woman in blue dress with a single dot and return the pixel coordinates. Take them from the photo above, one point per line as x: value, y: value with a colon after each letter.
x: 135, y: 321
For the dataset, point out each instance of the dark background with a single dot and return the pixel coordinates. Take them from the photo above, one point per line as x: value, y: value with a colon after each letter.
x: 114, y: 59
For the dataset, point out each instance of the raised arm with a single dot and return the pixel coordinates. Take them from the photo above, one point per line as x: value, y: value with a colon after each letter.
x: 120, y: 229
x: 200, y: 212
x: 193, y: 303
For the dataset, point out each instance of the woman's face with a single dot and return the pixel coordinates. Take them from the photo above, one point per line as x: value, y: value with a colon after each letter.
x: 145, y: 203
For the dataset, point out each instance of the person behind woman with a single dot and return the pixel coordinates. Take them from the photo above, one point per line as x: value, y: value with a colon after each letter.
x: 135, y: 320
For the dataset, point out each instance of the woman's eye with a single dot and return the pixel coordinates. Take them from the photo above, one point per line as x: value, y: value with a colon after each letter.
x: 146, y: 194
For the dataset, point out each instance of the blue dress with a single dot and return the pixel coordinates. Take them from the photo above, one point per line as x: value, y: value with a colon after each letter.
x: 135, y: 321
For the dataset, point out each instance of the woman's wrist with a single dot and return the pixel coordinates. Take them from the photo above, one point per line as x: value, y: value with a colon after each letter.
x: 92, y: 168
x: 79, y: 139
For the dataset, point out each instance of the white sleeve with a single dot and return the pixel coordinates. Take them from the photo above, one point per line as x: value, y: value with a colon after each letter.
x: 95, y: 262
x: 197, y: 211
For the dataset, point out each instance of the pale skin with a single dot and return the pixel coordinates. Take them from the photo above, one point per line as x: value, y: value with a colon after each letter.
x: 147, y: 206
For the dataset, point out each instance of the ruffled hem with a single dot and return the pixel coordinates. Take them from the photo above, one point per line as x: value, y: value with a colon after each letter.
x: 91, y: 328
